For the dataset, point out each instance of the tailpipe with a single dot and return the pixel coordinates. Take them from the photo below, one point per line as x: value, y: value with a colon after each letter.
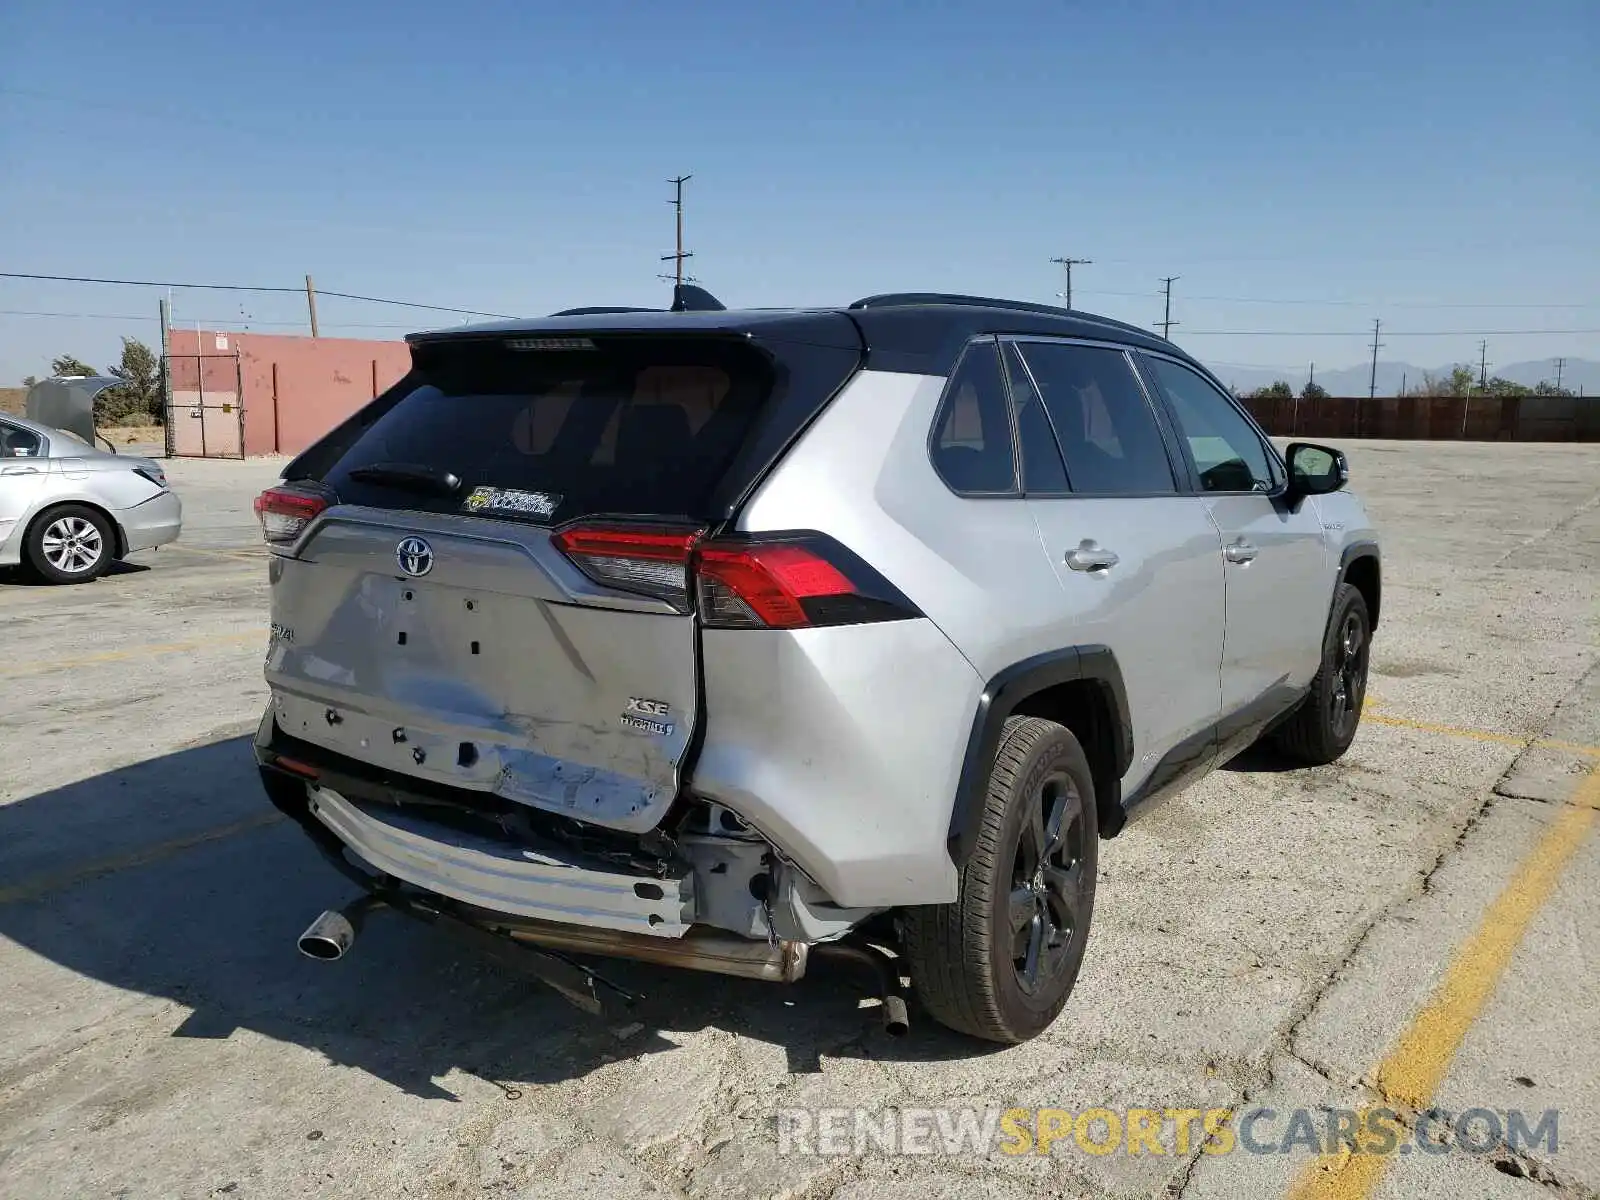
x: 330, y: 936
x: 885, y: 970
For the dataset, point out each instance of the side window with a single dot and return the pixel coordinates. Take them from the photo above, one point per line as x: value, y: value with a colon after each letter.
x: 1108, y: 435
x: 972, y: 445
x: 16, y: 442
x: 1227, y: 451
x: 1042, y: 472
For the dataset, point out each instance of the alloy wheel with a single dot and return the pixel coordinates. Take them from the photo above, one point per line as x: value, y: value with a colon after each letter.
x: 72, y: 545
x: 1046, y: 908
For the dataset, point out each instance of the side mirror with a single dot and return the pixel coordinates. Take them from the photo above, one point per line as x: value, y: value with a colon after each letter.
x: 1316, y: 470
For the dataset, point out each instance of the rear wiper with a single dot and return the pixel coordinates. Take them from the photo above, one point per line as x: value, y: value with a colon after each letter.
x: 412, y: 476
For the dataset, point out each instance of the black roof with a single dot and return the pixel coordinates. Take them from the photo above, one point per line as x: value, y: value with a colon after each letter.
x: 913, y: 332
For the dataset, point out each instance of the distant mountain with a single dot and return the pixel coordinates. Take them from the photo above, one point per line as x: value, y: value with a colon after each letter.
x: 1578, y: 374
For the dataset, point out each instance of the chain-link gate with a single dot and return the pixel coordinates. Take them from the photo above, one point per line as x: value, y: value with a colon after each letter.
x: 205, y: 405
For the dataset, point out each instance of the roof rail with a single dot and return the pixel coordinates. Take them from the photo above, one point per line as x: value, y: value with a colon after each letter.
x: 600, y: 311
x: 902, y: 299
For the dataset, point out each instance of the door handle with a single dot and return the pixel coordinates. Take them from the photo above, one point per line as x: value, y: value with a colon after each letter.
x: 20, y: 471
x: 1239, y: 552
x: 1091, y: 557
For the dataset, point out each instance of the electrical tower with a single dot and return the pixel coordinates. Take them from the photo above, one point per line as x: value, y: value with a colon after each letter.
x: 677, y: 257
x: 1166, y: 315
x: 1067, y: 264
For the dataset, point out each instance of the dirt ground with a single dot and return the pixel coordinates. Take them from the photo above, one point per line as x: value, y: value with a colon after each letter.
x: 1413, y: 924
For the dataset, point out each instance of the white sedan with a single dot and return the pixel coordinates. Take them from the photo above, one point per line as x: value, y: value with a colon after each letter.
x: 69, y: 511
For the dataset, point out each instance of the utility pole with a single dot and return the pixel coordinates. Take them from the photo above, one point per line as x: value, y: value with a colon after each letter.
x: 1311, y: 381
x: 1372, y: 385
x: 1067, y: 264
x: 680, y: 254
x: 1166, y: 318
x: 311, y: 304
x: 1560, y: 363
x: 1483, y: 366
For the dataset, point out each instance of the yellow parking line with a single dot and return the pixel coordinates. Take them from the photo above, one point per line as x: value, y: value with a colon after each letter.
x: 1479, y: 735
x: 43, y: 885
x: 1408, y: 1077
x: 41, y: 667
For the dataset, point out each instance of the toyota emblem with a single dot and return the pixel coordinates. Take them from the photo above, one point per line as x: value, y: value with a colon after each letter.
x: 414, y: 555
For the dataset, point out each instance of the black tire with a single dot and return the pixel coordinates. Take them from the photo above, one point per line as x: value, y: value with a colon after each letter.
x: 969, y: 959
x: 1321, y: 729
x: 71, y: 534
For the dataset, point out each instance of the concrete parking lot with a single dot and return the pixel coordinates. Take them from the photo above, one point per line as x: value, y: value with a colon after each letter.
x: 1414, y: 926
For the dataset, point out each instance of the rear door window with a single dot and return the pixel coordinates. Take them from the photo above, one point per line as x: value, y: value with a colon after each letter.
x: 972, y: 441
x: 1102, y: 420
x: 643, y: 426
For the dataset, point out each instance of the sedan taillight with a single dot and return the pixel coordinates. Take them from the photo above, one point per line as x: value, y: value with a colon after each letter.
x: 284, y: 512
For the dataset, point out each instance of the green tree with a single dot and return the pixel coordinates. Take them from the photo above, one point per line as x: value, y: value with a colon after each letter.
x: 1313, y: 391
x: 29, y: 380
x: 138, y: 399
x: 1459, y: 382
x: 1545, y: 388
x: 1278, y: 389
x: 68, y: 365
x: 1505, y: 387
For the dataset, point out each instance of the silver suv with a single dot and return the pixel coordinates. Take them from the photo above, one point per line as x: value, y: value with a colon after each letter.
x: 734, y: 639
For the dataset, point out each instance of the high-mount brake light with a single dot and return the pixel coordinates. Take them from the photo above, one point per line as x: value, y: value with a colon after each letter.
x: 284, y: 512
x: 633, y: 558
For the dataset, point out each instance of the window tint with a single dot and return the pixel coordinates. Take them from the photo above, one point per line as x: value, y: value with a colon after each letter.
x: 1227, y: 452
x: 16, y: 442
x: 972, y: 448
x: 1042, y: 472
x: 644, y: 426
x: 1108, y: 435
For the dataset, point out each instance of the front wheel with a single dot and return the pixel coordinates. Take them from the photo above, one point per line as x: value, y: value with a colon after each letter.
x: 1000, y: 962
x: 70, y: 544
x: 1324, y: 725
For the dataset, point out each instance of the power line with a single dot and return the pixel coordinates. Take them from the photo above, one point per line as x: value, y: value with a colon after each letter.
x: 1391, y: 333
x: 239, y: 287
x: 1067, y: 264
x: 1417, y: 304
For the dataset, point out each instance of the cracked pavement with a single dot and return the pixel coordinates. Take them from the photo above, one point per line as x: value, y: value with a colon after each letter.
x: 1262, y: 940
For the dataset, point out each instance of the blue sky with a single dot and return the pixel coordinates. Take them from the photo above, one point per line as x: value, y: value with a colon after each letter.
x: 1415, y: 161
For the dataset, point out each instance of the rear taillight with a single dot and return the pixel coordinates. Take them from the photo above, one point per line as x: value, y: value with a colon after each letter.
x: 633, y: 558
x: 769, y: 581
x: 791, y: 581
x: 285, y: 511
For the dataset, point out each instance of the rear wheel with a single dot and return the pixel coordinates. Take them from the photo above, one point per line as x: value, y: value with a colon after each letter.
x: 1000, y: 962
x: 1325, y: 724
x: 70, y: 544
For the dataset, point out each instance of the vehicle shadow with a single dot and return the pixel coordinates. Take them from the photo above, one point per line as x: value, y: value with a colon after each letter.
x: 174, y: 878
x: 23, y: 577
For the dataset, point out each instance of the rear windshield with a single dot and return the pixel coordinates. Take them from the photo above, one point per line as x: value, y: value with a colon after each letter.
x: 632, y: 425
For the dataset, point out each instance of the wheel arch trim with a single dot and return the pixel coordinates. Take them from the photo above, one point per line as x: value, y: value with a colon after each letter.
x: 1357, y: 551
x: 1001, y: 697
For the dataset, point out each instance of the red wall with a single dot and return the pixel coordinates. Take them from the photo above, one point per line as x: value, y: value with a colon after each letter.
x: 295, y: 388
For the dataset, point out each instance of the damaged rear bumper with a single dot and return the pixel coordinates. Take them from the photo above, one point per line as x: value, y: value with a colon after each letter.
x: 503, y: 878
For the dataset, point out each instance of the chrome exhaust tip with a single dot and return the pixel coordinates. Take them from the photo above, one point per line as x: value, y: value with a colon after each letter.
x: 329, y: 937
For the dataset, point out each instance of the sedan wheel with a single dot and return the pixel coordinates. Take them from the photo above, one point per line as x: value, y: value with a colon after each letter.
x: 70, y: 544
